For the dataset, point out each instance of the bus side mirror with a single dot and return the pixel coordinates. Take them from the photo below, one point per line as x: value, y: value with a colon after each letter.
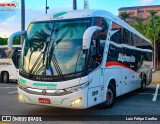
x: 12, y: 36
x: 88, y: 35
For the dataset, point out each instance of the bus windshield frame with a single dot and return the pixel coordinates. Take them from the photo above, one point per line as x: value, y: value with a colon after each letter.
x: 54, y: 48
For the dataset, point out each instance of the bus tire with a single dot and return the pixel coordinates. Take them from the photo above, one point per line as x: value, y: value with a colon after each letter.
x: 5, y: 77
x: 110, y: 97
x: 143, y: 84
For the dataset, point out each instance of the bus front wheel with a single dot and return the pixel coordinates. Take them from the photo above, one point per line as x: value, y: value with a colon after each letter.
x: 5, y: 77
x: 110, y: 97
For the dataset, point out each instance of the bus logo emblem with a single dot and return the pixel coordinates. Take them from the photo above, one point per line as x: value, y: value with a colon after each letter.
x: 44, y: 92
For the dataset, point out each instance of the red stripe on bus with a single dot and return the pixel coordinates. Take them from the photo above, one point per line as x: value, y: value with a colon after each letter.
x: 112, y: 63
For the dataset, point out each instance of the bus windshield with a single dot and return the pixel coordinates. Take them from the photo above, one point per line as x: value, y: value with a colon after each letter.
x: 54, y: 48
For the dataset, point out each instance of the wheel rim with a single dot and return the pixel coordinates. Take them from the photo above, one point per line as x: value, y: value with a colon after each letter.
x: 109, y: 96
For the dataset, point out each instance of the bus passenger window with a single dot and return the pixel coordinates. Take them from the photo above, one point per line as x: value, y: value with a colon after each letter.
x: 126, y: 36
x: 117, y: 36
x: 101, y: 22
x: 132, y: 39
x: 4, y: 53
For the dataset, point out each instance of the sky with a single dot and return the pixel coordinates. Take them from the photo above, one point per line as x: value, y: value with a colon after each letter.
x: 10, y: 20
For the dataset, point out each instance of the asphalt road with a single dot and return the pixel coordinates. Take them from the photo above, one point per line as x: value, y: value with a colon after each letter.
x: 135, y: 103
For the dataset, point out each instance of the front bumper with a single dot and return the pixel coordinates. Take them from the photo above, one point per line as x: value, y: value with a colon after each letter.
x: 64, y: 101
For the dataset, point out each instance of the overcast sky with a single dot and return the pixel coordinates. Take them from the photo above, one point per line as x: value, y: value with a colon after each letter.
x: 10, y: 20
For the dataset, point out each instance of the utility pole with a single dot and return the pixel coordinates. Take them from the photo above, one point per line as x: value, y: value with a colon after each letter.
x: 22, y: 19
x: 47, y: 7
x: 86, y: 4
x: 22, y: 15
x: 74, y: 4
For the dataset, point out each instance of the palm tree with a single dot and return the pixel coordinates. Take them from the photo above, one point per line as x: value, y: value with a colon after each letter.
x: 137, y: 19
x: 124, y: 15
x: 154, y: 30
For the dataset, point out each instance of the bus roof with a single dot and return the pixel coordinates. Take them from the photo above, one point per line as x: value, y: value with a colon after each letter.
x: 6, y: 46
x: 89, y: 13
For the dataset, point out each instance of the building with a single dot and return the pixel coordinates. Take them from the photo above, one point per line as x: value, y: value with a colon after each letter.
x: 140, y: 11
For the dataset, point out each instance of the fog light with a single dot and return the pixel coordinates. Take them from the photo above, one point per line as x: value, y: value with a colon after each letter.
x: 20, y: 97
x: 77, y: 101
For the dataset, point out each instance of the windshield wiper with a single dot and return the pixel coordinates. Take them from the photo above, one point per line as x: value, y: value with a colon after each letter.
x: 56, y: 65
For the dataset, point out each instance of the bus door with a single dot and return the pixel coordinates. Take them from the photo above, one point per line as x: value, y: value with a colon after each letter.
x: 96, y: 70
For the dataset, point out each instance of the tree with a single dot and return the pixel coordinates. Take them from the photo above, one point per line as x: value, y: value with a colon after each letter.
x: 154, y: 29
x: 124, y: 16
x: 3, y: 41
x: 150, y: 29
x: 137, y: 20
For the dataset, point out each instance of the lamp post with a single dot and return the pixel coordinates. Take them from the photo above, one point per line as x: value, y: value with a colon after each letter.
x: 74, y: 4
x: 47, y: 7
x: 22, y: 15
x: 22, y: 19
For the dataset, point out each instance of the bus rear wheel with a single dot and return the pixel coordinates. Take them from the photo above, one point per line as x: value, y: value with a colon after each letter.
x: 143, y: 84
x: 110, y: 97
x: 5, y: 77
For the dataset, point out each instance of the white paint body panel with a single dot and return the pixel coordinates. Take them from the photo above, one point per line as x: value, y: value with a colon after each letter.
x: 10, y: 68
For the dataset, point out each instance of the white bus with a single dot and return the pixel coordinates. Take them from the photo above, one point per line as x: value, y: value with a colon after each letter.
x: 9, y: 63
x: 78, y: 59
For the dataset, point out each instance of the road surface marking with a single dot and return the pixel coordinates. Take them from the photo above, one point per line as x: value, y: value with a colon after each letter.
x: 145, y: 93
x: 7, y: 87
x: 12, y: 92
x: 155, y: 95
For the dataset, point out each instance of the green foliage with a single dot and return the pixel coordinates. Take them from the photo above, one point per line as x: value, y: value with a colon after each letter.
x: 16, y: 41
x: 149, y: 28
x: 3, y: 41
x: 124, y: 15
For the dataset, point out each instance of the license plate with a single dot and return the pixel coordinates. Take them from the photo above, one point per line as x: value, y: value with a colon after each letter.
x: 44, y: 100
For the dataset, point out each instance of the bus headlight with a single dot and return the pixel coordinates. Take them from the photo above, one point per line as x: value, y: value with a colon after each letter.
x: 78, y: 87
x: 20, y: 97
x: 21, y: 86
x: 77, y: 101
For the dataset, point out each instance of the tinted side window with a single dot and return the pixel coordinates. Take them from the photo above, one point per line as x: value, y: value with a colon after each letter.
x: 117, y: 36
x: 101, y: 22
x: 141, y: 43
x: 4, y: 53
x: 126, y: 36
x: 133, y: 39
